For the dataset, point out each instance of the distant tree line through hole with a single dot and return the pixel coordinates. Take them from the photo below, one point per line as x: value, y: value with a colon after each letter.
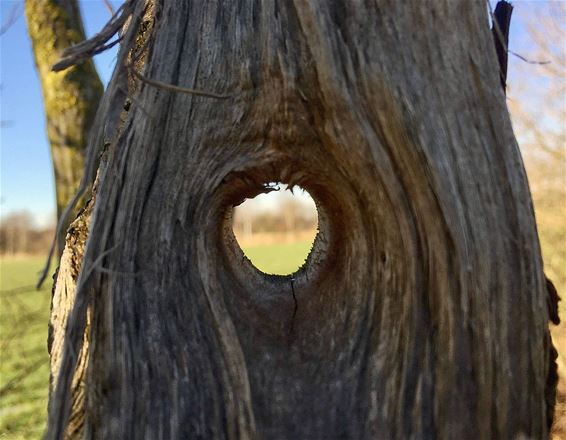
x: 278, y: 216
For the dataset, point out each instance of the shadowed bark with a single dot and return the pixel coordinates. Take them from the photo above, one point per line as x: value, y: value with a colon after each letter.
x: 500, y: 30
x: 70, y: 98
x: 421, y: 311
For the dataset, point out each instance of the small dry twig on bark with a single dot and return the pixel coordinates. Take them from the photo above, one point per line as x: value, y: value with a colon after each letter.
x: 174, y: 88
x: 501, y: 19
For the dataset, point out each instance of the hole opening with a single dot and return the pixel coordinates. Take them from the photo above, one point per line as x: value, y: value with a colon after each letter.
x: 276, y: 229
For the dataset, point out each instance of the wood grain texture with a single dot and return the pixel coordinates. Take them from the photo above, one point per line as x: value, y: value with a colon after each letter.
x: 422, y: 308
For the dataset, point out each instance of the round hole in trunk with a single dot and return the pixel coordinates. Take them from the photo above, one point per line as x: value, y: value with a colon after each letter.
x: 276, y: 230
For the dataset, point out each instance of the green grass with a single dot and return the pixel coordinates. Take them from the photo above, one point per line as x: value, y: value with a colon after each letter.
x: 24, y: 314
x: 24, y: 362
x: 280, y: 259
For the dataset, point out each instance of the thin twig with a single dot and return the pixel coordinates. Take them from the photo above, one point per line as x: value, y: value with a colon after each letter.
x: 23, y: 374
x: 85, y: 275
x: 107, y: 46
x: 62, y: 221
x: 109, y: 6
x: 174, y: 88
x: 504, y: 41
x: 96, y: 264
x: 116, y: 272
x: 526, y: 60
x: 133, y: 101
x: 17, y: 290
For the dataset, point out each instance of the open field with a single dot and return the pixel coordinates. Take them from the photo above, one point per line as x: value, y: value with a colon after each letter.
x: 284, y: 258
x: 24, y: 313
x: 24, y: 371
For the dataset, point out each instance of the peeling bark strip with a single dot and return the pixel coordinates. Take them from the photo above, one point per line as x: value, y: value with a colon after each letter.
x: 422, y: 307
x: 500, y: 30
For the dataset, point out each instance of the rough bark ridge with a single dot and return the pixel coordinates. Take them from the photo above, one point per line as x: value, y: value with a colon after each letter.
x: 422, y: 308
x: 70, y: 98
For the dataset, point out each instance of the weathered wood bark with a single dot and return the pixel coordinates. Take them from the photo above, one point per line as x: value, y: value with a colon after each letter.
x: 61, y: 305
x: 70, y: 98
x: 422, y: 308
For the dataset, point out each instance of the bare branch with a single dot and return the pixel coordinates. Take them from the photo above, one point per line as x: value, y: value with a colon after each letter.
x: 526, y: 60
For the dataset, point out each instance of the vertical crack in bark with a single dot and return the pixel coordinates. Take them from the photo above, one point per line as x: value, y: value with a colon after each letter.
x: 295, y: 308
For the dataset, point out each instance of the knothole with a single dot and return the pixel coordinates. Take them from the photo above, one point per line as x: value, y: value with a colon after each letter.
x: 276, y: 229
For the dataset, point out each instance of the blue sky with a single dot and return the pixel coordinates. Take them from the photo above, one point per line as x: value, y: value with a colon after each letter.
x: 26, y: 177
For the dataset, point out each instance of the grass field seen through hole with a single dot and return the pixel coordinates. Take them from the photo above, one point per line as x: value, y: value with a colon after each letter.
x: 276, y: 229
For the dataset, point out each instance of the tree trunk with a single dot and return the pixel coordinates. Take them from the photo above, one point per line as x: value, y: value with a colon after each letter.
x: 421, y: 311
x: 70, y: 98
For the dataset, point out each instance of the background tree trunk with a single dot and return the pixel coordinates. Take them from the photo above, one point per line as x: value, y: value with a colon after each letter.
x: 421, y: 311
x: 70, y: 97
